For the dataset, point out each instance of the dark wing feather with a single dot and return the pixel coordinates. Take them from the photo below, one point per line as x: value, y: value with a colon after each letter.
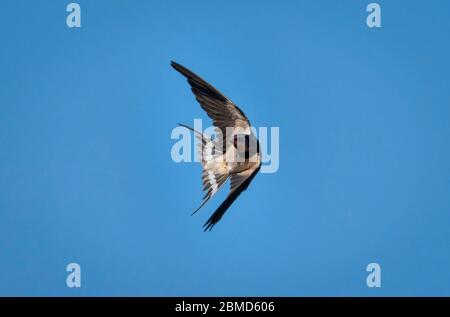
x: 240, y: 182
x: 219, y: 108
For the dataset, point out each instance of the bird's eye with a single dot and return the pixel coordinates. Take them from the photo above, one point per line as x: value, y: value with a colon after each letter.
x: 242, y: 142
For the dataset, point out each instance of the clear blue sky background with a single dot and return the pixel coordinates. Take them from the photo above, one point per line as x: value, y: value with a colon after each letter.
x: 86, y: 174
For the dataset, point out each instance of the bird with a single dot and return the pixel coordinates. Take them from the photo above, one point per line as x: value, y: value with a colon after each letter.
x: 233, y: 154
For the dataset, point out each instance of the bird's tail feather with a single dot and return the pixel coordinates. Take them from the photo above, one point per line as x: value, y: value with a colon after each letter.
x: 215, y: 173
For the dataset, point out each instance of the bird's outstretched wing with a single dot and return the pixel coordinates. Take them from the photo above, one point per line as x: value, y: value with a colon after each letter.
x: 219, y: 108
x: 239, y: 183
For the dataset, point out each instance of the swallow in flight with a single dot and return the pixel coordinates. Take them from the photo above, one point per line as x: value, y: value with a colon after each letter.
x: 234, y: 153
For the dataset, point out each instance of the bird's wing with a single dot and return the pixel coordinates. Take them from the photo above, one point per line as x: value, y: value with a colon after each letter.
x: 219, y: 108
x: 239, y: 183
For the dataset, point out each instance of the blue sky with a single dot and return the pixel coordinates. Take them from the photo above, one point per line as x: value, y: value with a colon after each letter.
x: 86, y: 174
